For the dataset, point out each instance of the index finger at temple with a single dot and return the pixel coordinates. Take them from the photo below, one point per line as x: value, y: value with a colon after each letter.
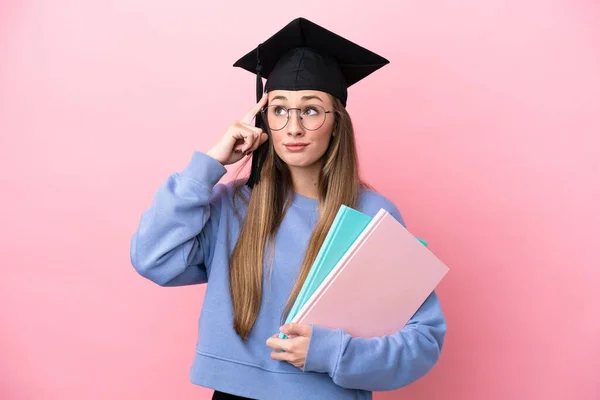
x: 254, y: 110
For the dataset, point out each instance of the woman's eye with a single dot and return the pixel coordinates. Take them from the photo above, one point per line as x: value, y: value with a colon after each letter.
x: 311, y: 111
x: 279, y: 111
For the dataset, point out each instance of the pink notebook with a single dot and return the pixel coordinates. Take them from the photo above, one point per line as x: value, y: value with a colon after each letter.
x: 379, y: 283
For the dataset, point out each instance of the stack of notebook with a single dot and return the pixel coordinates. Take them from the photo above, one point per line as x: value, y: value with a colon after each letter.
x: 369, y: 278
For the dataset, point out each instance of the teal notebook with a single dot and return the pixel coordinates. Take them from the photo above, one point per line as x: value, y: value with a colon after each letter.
x: 345, y: 229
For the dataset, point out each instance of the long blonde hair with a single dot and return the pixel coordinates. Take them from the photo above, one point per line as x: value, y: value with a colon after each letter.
x: 339, y: 183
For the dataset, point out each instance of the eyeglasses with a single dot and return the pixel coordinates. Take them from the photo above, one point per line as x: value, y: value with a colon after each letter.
x: 311, y: 117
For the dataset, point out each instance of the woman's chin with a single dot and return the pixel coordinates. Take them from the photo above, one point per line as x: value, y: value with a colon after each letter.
x: 298, y: 161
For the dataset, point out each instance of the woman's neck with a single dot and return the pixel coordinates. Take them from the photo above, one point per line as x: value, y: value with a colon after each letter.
x: 305, y: 181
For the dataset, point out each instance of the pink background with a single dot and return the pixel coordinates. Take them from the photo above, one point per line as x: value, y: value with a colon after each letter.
x: 484, y: 130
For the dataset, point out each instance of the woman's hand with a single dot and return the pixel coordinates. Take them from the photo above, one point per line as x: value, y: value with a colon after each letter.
x: 241, y: 139
x: 295, y: 347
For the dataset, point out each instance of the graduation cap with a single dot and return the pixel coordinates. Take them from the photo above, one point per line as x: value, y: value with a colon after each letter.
x: 305, y: 56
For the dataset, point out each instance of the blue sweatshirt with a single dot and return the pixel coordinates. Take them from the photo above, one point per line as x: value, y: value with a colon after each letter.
x: 186, y: 236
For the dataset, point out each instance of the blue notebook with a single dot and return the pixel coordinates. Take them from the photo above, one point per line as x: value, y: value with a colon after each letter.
x: 345, y: 229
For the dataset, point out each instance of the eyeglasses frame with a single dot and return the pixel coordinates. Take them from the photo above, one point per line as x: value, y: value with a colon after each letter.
x: 266, y: 119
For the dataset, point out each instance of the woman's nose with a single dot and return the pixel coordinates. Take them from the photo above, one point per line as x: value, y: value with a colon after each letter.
x: 294, y: 126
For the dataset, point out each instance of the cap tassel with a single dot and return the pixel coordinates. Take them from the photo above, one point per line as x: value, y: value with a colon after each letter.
x: 260, y: 154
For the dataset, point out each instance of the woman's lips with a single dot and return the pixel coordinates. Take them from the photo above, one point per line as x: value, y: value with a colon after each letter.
x: 295, y: 146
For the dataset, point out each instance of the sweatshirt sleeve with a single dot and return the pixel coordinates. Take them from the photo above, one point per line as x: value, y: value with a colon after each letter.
x: 174, y: 240
x: 380, y: 363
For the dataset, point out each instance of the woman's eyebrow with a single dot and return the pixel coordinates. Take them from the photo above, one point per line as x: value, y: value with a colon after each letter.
x: 304, y: 98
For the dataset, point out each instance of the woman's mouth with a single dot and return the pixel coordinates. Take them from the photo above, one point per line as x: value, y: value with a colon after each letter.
x: 295, y: 146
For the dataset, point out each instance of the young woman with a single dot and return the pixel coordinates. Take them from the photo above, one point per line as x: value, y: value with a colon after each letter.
x: 253, y: 242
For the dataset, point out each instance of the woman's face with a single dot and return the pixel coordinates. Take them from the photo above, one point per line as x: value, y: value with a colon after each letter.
x: 301, y: 138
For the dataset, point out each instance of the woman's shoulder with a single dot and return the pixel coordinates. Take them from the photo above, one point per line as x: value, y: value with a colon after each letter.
x: 370, y: 202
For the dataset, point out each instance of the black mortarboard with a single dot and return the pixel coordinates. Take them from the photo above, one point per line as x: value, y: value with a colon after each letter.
x: 306, y: 56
